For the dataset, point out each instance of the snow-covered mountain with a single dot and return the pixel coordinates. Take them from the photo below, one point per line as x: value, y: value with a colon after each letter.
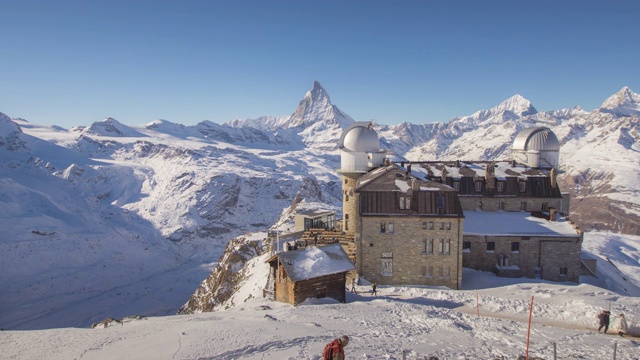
x: 109, y: 209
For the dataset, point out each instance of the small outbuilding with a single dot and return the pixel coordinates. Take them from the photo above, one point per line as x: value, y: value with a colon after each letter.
x: 312, y: 273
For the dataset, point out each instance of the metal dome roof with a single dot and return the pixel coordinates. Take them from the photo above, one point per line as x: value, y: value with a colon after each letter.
x: 359, y: 137
x: 536, y: 138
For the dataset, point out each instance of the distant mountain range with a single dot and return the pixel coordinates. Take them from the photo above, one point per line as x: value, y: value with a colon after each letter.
x: 134, y: 201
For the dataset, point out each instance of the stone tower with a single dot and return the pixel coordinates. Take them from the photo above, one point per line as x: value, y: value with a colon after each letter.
x: 360, y: 152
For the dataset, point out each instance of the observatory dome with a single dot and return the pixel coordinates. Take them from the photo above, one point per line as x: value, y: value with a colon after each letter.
x: 360, y: 137
x: 536, y: 138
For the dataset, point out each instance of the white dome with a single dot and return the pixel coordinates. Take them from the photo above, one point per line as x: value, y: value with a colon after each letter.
x: 536, y: 138
x: 359, y: 137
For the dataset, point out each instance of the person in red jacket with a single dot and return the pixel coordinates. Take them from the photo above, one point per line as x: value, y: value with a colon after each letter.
x: 335, y: 349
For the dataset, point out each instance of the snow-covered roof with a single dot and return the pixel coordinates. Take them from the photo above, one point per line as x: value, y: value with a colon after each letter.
x: 315, y: 262
x: 460, y: 169
x: 517, y: 223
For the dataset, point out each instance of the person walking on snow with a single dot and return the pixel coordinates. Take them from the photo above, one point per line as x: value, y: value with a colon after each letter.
x: 353, y: 285
x: 373, y: 289
x: 623, y: 325
x: 604, y: 321
x: 335, y: 349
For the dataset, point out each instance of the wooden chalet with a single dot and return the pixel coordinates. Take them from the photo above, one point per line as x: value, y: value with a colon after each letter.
x: 315, y: 272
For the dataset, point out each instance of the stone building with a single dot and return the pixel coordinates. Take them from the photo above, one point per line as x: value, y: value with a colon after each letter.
x: 421, y: 222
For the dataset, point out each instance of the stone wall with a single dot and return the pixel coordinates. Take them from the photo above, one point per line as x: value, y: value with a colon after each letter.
x: 403, y: 257
x: 536, y: 256
x: 349, y: 202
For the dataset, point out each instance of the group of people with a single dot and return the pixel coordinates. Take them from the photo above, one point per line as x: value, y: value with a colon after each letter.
x: 605, y: 318
x: 373, y: 287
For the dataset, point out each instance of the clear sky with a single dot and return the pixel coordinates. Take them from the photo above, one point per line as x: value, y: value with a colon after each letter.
x: 75, y: 62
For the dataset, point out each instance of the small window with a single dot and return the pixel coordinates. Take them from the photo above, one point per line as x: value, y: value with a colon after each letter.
x: 564, y: 271
x: 345, y: 181
x: 522, y: 186
x: 390, y: 228
x: 383, y: 227
x: 442, y: 225
x: 405, y: 202
x: 423, y: 271
x: 447, y: 247
x: 545, y: 206
x: 430, y: 225
x: 346, y: 198
x: 491, y: 246
x: 424, y: 225
x: 515, y: 246
x: 430, y: 246
x: 466, y: 246
x: 430, y: 271
x: 424, y: 246
x: 346, y: 216
x: 448, y: 225
x: 500, y: 186
x: 441, y: 247
x: 523, y: 206
x: 478, y: 186
x: 501, y: 205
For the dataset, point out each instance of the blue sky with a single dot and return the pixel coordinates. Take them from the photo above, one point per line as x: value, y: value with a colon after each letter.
x: 75, y: 62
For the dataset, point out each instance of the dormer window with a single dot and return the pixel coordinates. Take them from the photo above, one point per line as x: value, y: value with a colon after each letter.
x: 522, y: 186
x: 478, y: 186
x: 405, y: 202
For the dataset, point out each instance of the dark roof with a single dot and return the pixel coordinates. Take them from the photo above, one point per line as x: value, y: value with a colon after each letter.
x: 397, y: 178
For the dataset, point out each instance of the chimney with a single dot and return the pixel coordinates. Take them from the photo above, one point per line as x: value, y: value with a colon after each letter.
x: 554, y: 178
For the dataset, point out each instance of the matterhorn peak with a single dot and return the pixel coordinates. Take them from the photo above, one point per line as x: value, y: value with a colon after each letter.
x: 517, y: 105
x: 624, y: 103
x: 316, y: 107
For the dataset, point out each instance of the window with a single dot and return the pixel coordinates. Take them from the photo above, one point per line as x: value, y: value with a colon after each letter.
x: 430, y: 246
x: 424, y: 225
x: 405, y: 202
x: 456, y: 185
x: 346, y: 216
x: 522, y: 186
x: 423, y: 271
x: 447, y: 247
x: 430, y: 225
x: 442, y: 225
x: 424, y: 246
x: 321, y: 293
x: 515, y: 247
x: 447, y: 272
x: 491, y: 246
x: 448, y: 225
x: 441, y: 202
x: 430, y: 271
x: 345, y: 181
x: 383, y: 227
x: 501, y: 205
x: 441, y: 247
x: 390, y: 228
x: 500, y: 186
x: 564, y: 271
x: 466, y: 246
x: 346, y: 197
x: 440, y: 272
x: 545, y: 206
x: 523, y: 206
x: 478, y: 186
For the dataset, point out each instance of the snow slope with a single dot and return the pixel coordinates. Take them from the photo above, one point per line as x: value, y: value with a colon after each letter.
x: 485, y: 320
